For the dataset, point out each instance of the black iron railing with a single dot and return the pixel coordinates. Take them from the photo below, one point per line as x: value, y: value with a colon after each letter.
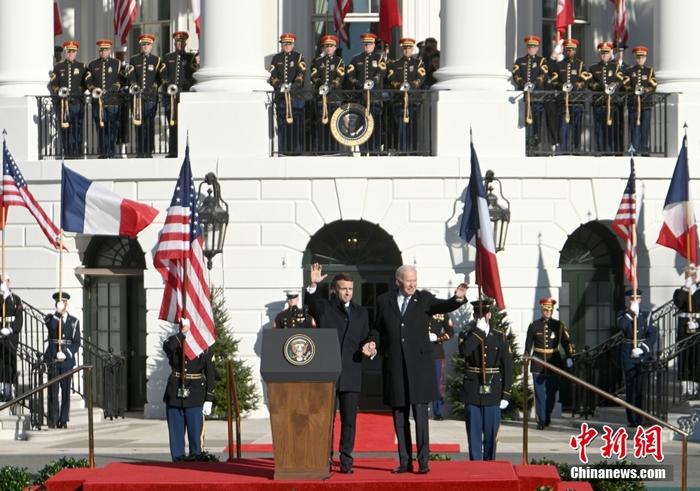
x: 109, y: 382
x: 589, y: 133
x: 298, y: 128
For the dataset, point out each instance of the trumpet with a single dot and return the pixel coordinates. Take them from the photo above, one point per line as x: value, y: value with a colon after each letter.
x: 137, y: 104
x: 567, y: 87
x: 639, y: 91
x: 323, y: 92
x: 611, y: 88
x: 405, y: 87
x: 97, y: 94
x: 63, y: 93
x: 285, y: 88
x: 529, y: 87
x: 172, y: 89
x: 172, y: 92
x: 368, y: 86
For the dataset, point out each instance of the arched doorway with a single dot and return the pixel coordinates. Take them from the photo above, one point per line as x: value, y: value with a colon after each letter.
x: 371, y: 256
x: 115, y: 309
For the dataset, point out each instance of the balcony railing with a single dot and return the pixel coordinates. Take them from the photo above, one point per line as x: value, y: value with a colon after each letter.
x: 401, y: 126
x: 589, y: 132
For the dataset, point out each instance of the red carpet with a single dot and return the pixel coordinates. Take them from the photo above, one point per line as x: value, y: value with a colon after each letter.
x: 256, y: 474
x: 375, y: 433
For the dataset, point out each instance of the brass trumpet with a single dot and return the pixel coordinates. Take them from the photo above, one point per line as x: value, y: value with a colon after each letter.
x: 404, y: 88
x: 285, y: 89
x: 63, y: 93
x: 567, y: 88
x: 529, y: 87
x: 609, y: 91
x: 137, y: 104
x: 97, y: 94
x: 639, y: 91
x: 368, y: 86
x: 172, y: 92
x: 323, y: 92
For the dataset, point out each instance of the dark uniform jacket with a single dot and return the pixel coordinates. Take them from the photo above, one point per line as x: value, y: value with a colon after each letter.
x: 646, y: 337
x: 603, y: 74
x: 408, y: 367
x: 293, y: 318
x: 680, y: 300
x: 146, y: 72
x: 365, y: 67
x: 644, y: 78
x: 200, y: 374
x: 530, y: 69
x: 495, y: 357
x: 353, y: 332
x: 329, y: 70
x: 107, y: 75
x: 441, y: 326
x: 73, y: 75
x: 543, y: 340
x: 569, y: 70
x: 404, y: 69
x: 179, y: 70
x: 8, y: 344
x: 70, y: 336
x: 287, y: 69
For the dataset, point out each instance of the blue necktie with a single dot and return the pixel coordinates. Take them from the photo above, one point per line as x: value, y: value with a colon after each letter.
x: 404, y: 305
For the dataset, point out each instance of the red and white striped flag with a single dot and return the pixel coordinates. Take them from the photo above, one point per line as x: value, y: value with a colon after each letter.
x: 15, y: 192
x: 124, y: 17
x: 620, y: 33
x: 179, y: 259
x: 342, y: 7
x: 197, y: 16
x: 57, y: 25
x: 625, y: 226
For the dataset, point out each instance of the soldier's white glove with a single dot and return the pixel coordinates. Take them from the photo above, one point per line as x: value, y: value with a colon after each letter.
x: 60, y: 356
x: 483, y: 324
x: 504, y: 404
x: 558, y: 51
x: 689, y: 282
x: 5, y: 331
x: 692, y: 325
x: 433, y: 337
x: 634, y: 307
x: 637, y: 352
x: 4, y: 290
x: 569, y: 363
x: 206, y: 408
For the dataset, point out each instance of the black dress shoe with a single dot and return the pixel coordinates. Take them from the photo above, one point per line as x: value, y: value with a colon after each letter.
x: 402, y: 469
x: 548, y: 422
x: 540, y: 426
x: 347, y: 470
x: 438, y: 418
x: 423, y: 470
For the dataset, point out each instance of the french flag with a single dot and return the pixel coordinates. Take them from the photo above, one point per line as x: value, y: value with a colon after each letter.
x: 87, y: 208
x: 679, y: 231
x: 476, y: 229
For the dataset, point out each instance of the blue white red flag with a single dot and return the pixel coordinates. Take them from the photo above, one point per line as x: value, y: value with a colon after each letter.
x: 679, y: 231
x: 476, y: 229
x: 87, y: 208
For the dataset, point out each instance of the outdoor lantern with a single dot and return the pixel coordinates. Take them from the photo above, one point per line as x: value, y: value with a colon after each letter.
x: 213, y: 216
x: 500, y: 216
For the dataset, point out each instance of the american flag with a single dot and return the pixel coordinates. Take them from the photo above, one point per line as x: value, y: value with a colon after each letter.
x: 342, y: 7
x: 625, y: 226
x: 620, y: 33
x: 124, y: 16
x: 179, y: 259
x: 15, y: 192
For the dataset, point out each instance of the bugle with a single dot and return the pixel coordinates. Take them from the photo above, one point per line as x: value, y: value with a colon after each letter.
x: 323, y: 92
x: 638, y: 91
x: 63, y: 93
x: 529, y: 87
x: 97, y: 94
x: 404, y: 88
x: 285, y: 89
x: 172, y: 92
x: 368, y: 86
x: 567, y: 88
x: 137, y: 105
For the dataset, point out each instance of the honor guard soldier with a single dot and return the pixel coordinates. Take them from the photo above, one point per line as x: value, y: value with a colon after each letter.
x: 69, y: 79
x: 12, y: 320
x: 529, y: 73
x: 104, y: 85
x: 144, y: 74
x: 606, y: 79
x: 406, y: 74
x: 63, y: 344
x: 327, y: 74
x: 641, y: 82
x: 544, y: 338
x: 287, y: 78
x: 632, y: 355
x: 366, y: 72
x: 293, y: 316
x: 687, y: 300
x: 570, y: 76
x: 440, y: 329
x: 178, y: 77
x: 189, y: 394
x: 487, y: 381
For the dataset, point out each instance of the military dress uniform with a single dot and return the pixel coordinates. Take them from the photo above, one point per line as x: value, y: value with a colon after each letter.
x: 442, y: 328
x: 9, y: 338
x: 69, y: 344
x: 530, y: 72
x: 544, y: 339
x: 641, y: 83
x: 73, y: 76
x: 570, y: 72
x: 689, y: 360
x: 293, y: 318
x: 145, y: 72
x: 605, y: 111
x: 184, y: 411
x: 487, y: 382
x: 647, y: 334
x: 106, y: 74
x: 287, y: 79
x: 327, y: 71
x: 179, y: 72
x: 406, y: 74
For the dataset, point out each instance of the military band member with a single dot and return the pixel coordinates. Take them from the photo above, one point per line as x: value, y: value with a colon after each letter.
x: 69, y: 79
x: 287, y: 79
x: 60, y: 357
x: 641, y: 82
x: 144, y: 75
x: 689, y: 360
x: 9, y: 337
x: 606, y: 79
x: 440, y: 329
x: 327, y: 74
x: 529, y: 74
x: 487, y: 381
x: 544, y: 338
x: 570, y: 76
x: 406, y: 74
x: 632, y: 356
x: 189, y: 395
x: 106, y: 79
x: 293, y: 316
x: 178, y: 77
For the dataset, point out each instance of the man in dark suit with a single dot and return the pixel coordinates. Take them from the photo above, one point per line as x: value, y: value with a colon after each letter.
x: 356, y: 339
x: 408, y: 368
x: 12, y: 320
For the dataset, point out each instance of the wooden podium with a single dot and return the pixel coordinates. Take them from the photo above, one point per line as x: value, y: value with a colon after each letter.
x: 300, y: 368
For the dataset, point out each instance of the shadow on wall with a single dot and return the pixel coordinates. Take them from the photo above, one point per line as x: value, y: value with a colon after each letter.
x: 271, y: 311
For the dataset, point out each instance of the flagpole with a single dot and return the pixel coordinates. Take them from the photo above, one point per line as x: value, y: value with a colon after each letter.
x: 60, y: 290
x: 686, y: 205
x: 634, y: 279
x: 4, y: 226
x: 185, y: 263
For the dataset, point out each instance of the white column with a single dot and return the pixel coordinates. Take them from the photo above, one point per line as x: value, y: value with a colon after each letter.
x: 236, y: 37
x: 673, y: 24
x: 473, y: 45
x: 26, y: 34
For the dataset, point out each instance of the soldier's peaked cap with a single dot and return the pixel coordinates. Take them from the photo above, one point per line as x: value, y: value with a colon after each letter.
x: 181, y: 36
x: 368, y: 37
x: 640, y: 50
x: 532, y: 40
x: 291, y: 294
x: 71, y: 45
x: 63, y: 295
x: 605, y: 47
x: 571, y: 43
x: 407, y: 42
x: 547, y: 302
x: 146, y: 39
x: 104, y: 43
x: 630, y: 292
x: 486, y: 303
x: 329, y: 40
